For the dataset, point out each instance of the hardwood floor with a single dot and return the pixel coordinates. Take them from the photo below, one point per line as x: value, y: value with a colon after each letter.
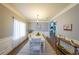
x: 18, y: 48
x: 55, y: 48
x: 48, y: 50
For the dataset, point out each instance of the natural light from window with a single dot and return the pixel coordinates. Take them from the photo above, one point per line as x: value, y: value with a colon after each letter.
x: 19, y: 29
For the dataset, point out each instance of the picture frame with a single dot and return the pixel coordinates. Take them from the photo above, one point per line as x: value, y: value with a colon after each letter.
x: 67, y: 27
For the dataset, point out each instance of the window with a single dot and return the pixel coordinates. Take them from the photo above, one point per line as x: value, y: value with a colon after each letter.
x: 19, y: 29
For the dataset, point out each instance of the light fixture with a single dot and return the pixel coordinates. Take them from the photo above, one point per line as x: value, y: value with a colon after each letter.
x: 38, y: 24
x: 37, y: 18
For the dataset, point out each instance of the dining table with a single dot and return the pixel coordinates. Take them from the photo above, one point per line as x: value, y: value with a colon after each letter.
x: 37, y: 35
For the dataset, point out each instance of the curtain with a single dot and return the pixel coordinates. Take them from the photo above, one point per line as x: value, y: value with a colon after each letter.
x: 19, y: 29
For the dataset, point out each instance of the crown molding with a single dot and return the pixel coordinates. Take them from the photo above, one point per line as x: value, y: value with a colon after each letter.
x: 13, y: 10
x: 20, y: 15
x: 64, y: 10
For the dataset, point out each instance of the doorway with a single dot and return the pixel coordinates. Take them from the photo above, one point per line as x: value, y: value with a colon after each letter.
x: 52, y: 33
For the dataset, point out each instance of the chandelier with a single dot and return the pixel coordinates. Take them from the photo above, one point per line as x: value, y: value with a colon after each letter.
x: 37, y: 18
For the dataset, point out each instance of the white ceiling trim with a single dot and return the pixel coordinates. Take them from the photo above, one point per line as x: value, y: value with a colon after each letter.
x: 13, y: 10
x: 64, y: 10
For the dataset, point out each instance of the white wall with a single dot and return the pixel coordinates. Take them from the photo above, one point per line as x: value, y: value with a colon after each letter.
x: 41, y: 26
x: 7, y: 43
x: 70, y: 17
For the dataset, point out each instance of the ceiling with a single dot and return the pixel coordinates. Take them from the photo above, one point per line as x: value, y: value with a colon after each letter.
x: 45, y: 11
